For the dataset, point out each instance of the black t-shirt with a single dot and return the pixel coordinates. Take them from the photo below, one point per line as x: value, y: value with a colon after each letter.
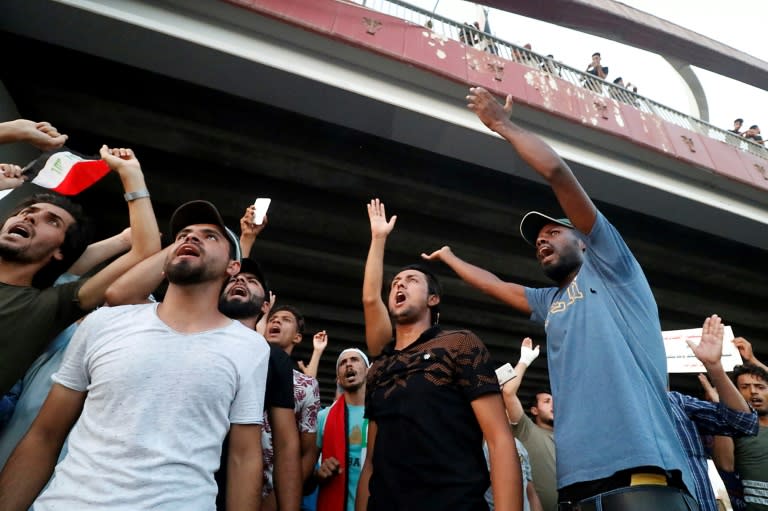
x: 428, y: 451
x: 278, y: 394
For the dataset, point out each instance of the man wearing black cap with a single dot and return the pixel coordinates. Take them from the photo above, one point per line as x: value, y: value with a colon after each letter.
x: 604, y: 345
x: 151, y: 391
x: 244, y: 298
x: 431, y: 397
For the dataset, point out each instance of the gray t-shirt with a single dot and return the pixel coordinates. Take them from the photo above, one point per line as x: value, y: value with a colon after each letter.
x: 158, y: 407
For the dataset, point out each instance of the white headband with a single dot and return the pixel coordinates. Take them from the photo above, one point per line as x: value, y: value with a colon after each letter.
x: 365, y: 358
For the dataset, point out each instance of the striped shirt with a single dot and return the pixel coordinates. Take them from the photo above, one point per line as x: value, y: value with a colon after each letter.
x: 694, y: 417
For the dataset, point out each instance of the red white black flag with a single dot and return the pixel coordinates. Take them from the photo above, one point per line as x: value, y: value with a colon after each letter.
x: 65, y: 171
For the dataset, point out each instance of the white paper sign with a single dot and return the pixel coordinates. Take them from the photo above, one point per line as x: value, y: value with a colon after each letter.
x: 680, y: 358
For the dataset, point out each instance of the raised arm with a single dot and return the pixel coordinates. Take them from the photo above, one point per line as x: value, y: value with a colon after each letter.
x: 144, y: 232
x: 577, y: 206
x: 39, y: 134
x: 378, y: 326
x: 745, y: 350
x: 135, y: 285
x: 319, y: 343
x: 709, y: 351
x: 100, y: 251
x: 249, y: 231
x: 508, y: 292
x: 509, y: 390
x: 31, y: 464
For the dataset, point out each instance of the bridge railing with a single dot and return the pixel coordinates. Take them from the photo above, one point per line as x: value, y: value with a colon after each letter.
x: 472, y: 36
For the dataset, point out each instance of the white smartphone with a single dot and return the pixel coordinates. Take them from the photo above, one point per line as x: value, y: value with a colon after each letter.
x: 505, y: 373
x: 261, y: 206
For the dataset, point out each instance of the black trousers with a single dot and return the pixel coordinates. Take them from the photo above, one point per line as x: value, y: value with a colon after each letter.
x: 636, y: 498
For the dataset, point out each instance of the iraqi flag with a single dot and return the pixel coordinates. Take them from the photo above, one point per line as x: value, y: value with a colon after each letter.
x: 64, y: 171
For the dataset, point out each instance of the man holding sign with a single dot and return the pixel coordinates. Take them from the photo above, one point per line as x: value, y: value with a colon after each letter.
x: 726, y: 413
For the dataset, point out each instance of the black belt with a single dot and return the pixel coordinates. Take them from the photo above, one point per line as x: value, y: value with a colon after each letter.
x: 636, y: 498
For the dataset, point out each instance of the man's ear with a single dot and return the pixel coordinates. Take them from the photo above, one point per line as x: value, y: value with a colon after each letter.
x: 233, y: 268
x: 534, y: 410
x: 57, y: 255
x: 297, y: 338
x: 582, y: 246
x: 433, y: 300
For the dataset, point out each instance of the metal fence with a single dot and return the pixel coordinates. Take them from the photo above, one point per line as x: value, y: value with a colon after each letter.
x: 475, y: 37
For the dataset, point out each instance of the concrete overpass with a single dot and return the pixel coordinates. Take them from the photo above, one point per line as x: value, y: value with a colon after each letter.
x: 282, y: 99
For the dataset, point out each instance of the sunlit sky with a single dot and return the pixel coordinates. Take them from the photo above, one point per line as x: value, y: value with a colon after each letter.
x: 742, y: 27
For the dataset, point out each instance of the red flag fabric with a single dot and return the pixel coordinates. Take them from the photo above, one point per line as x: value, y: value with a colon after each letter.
x: 65, y: 171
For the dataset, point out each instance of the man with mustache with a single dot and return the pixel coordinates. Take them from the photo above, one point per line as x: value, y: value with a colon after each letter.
x: 342, y: 432
x: 149, y: 392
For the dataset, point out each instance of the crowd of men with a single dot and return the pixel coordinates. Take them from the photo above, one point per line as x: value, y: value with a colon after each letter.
x: 115, y: 401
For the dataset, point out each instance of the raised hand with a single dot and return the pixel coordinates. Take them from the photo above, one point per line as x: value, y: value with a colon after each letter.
x: 745, y: 349
x: 11, y: 176
x: 437, y: 255
x: 710, y: 393
x: 487, y: 109
x: 320, y: 341
x: 247, y: 227
x: 710, y: 348
x: 266, y: 307
x: 119, y: 159
x: 380, y: 227
x: 527, y: 352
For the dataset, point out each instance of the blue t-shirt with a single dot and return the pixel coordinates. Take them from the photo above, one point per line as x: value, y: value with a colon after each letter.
x: 607, y: 366
x: 357, y: 442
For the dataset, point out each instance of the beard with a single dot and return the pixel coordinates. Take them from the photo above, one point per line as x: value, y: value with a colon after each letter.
x: 10, y: 253
x: 568, y: 264
x: 237, y: 309
x: 185, y: 273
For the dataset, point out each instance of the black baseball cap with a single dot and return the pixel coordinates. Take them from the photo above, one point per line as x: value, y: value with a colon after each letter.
x: 248, y: 265
x: 533, y: 221
x: 202, y: 212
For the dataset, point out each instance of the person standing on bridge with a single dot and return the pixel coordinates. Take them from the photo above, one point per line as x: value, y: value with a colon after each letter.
x: 614, y: 435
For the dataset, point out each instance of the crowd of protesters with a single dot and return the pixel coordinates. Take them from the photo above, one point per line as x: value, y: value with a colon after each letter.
x: 115, y: 401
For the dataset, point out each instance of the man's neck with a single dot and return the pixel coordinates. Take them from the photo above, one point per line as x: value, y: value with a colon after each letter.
x: 544, y: 425
x: 18, y: 274
x: 763, y: 421
x: 356, y: 397
x: 192, y: 308
x: 407, y: 333
x: 248, y: 322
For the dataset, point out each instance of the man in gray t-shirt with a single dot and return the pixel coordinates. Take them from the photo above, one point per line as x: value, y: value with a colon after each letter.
x: 149, y: 392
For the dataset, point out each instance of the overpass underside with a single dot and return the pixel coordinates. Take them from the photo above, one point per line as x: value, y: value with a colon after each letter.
x: 210, y: 124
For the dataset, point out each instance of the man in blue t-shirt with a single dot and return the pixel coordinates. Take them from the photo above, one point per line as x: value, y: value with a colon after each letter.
x: 604, y: 346
x: 342, y: 433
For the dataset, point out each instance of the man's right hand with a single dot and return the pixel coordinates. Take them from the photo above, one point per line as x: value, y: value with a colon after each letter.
x: 380, y: 227
x: 328, y: 468
x: 438, y: 255
x: 745, y: 349
x: 487, y: 109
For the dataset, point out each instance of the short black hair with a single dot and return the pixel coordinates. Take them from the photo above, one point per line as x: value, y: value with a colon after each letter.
x: 754, y: 127
x: 739, y: 120
x: 750, y: 369
x: 77, y: 238
x: 619, y: 79
x: 534, y: 400
x: 433, y: 287
x: 296, y: 314
x: 597, y: 53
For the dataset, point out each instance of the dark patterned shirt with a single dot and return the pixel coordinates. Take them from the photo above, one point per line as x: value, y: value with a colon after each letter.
x: 428, y: 451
